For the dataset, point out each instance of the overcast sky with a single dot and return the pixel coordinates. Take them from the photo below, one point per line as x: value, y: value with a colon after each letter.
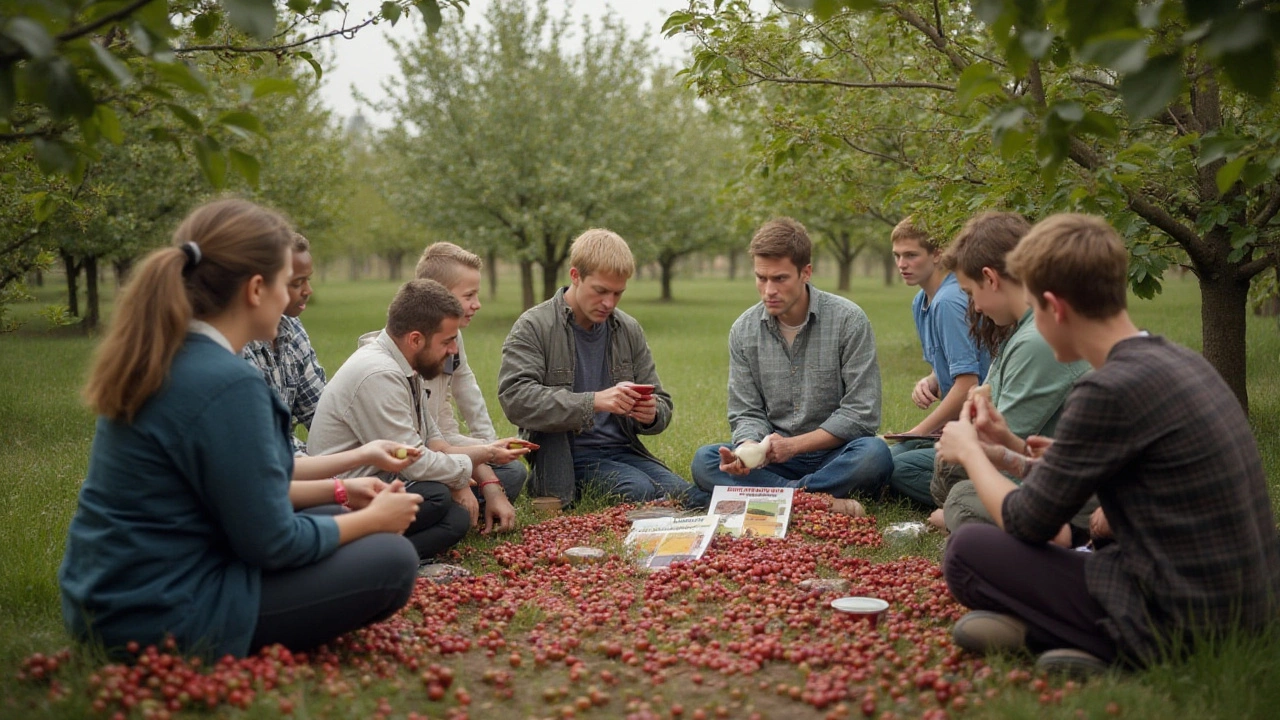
x: 367, y: 60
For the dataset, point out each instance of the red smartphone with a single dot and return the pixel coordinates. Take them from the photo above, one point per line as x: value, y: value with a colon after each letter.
x: 645, y: 390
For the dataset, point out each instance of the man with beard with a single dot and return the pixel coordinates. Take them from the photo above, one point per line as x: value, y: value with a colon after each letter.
x: 378, y: 394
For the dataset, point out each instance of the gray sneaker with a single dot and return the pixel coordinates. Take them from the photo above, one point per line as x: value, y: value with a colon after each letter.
x: 1071, y: 663
x: 982, y: 631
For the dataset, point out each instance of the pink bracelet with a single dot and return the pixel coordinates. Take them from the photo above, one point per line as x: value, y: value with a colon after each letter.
x: 339, y: 492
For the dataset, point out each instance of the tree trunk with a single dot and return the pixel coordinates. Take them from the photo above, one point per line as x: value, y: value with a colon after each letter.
x: 395, y: 263
x: 526, y: 283
x: 122, y: 266
x: 91, y: 316
x: 491, y: 264
x: 353, y: 268
x: 550, y: 278
x: 890, y: 268
x: 73, y: 284
x: 1223, y: 312
x: 733, y: 265
x: 668, y: 266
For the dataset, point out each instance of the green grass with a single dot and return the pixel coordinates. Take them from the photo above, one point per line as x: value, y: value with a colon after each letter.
x: 47, y: 431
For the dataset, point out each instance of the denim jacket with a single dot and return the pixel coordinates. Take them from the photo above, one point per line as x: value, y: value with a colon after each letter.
x: 535, y: 389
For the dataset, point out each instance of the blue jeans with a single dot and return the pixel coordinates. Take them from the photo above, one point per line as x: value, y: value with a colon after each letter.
x: 859, y: 466
x: 913, y: 471
x: 622, y: 472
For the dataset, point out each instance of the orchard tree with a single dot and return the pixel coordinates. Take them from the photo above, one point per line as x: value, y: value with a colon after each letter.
x: 1160, y: 116
x: 507, y: 131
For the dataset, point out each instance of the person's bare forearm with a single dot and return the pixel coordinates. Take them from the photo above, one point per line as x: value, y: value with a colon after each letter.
x: 949, y: 408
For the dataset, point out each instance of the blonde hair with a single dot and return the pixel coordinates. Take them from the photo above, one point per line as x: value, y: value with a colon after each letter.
x: 1079, y: 258
x: 300, y: 244
x: 906, y: 230
x: 442, y: 261
x: 226, y: 243
x: 783, y: 237
x: 601, y: 251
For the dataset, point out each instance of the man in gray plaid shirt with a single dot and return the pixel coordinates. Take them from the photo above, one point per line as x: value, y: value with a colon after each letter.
x: 289, y: 363
x: 803, y: 375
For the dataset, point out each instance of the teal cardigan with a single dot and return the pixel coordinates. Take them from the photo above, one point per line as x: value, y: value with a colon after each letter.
x: 184, y: 508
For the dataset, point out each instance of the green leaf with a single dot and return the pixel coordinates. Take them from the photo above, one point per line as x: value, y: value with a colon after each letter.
x: 187, y: 117
x: 212, y: 162
x: 1253, y: 71
x: 1220, y: 145
x: 430, y: 10
x: 154, y: 17
x: 391, y: 11
x: 206, y: 23
x: 1124, y: 51
x: 270, y: 85
x: 1150, y: 90
x: 109, y: 124
x: 676, y: 22
x: 45, y: 206
x: 1229, y: 173
x: 1036, y: 42
x: 315, y: 66
x: 53, y: 156
x: 246, y: 165
x: 242, y: 119
x: 1068, y: 111
x: 977, y: 80
x: 824, y: 9
x: 299, y: 6
x: 256, y: 17
x: 112, y: 65
x: 1098, y: 124
x: 1237, y: 32
x: 63, y: 92
x: 184, y: 76
x: 31, y: 36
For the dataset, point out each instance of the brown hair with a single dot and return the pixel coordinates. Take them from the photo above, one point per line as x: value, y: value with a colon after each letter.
x: 1079, y: 258
x: 983, y: 242
x: 600, y: 250
x: 421, y: 305
x: 907, y: 230
x: 441, y: 262
x: 783, y: 237
x: 235, y: 240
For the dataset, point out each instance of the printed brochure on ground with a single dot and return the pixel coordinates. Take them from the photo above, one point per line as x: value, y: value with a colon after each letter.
x: 752, y: 511
x: 658, y: 542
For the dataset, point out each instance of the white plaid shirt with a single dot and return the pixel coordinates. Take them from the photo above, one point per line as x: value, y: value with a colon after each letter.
x: 292, y: 369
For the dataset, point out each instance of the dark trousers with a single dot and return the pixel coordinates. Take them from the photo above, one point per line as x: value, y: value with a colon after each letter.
x: 440, y: 523
x: 1043, y: 585
x: 362, y: 582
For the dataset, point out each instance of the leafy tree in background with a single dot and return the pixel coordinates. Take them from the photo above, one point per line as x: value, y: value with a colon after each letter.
x: 1161, y: 116
x: 74, y: 76
x: 509, y: 133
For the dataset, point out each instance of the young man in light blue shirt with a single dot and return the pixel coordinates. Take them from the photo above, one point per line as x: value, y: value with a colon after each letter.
x: 941, y: 314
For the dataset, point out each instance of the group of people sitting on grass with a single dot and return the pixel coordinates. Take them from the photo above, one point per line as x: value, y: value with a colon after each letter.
x: 204, y: 519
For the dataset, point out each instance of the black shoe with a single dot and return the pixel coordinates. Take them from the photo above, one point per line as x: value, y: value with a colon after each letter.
x: 982, y: 631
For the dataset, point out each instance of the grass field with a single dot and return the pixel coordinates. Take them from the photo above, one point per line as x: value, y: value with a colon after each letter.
x: 46, y: 433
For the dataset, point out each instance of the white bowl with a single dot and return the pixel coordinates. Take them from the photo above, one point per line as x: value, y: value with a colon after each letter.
x: 863, y: 607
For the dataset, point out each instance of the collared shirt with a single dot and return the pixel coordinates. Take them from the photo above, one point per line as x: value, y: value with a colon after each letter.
x: 377, y: 395
x: 290, y: 366
x: 828, y: 378
x: 943, y: 326
x: 1165, y: 445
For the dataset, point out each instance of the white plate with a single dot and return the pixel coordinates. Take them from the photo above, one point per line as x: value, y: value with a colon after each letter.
x: 860, y: 605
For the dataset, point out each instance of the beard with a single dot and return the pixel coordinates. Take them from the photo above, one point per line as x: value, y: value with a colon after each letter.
x: 428, y: 370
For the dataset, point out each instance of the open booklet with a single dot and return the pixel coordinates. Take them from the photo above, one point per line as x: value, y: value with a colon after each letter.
x: 658, y: 542
x: 752, y: 511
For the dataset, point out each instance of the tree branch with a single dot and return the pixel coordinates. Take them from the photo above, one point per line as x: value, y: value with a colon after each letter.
x: 1268, y: 211
x: 76, y: 32
x: 1082, y: 155
x: 938, y: 40
x: 1246, y: 271
x: 901, y: 84
x: 346, y: 32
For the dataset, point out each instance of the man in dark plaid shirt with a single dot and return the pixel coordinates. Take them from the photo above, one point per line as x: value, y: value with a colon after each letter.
x: 289, y: 363
x: 1159, y: 437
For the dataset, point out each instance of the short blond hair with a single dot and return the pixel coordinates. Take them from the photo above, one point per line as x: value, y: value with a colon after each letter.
x: 907, y: 230
x: 1079, y: 258
x: 601, y: 251
x: 441, y: 262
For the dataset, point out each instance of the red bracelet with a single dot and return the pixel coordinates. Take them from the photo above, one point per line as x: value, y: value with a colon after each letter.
x: 489, y: 482
x: 339, y: 492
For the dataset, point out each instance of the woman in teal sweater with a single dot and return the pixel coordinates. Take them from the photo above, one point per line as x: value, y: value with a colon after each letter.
x: 187, y: 524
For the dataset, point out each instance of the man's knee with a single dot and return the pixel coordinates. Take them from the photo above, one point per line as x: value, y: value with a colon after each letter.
x: 706, y: 460
x: 513, y: 476
x: 874, y: 462
x: 965, y: 549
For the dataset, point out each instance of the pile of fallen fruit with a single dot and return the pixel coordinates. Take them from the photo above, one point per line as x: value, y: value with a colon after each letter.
x: 746, y: 631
